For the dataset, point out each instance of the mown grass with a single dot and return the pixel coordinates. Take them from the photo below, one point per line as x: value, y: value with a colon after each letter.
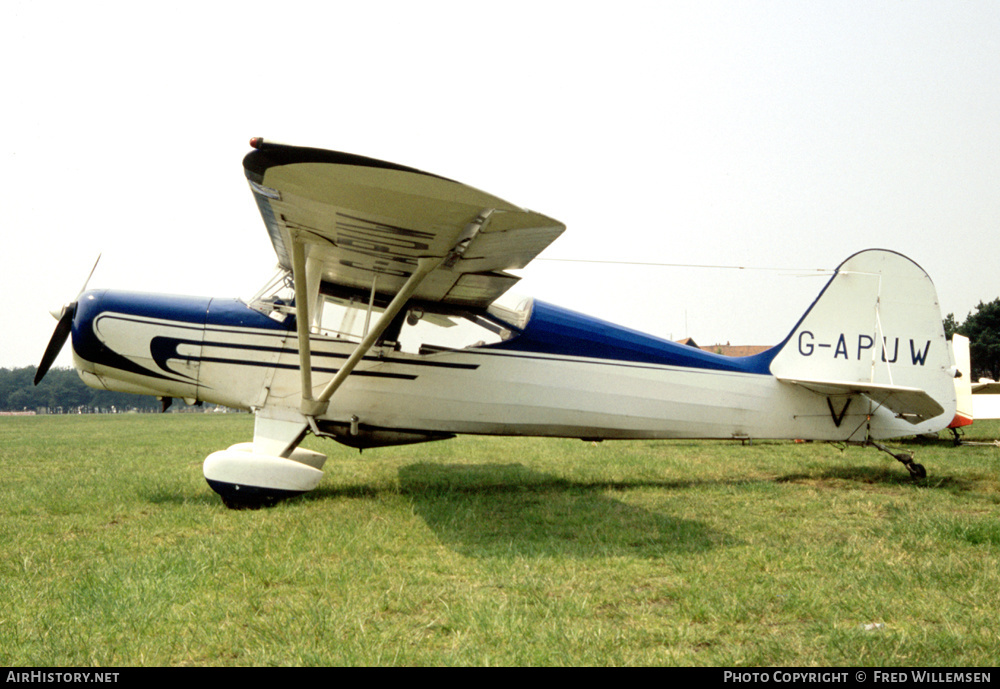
x: 478, y: 551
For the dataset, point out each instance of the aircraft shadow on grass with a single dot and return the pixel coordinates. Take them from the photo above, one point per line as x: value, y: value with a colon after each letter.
x: 496, y: 509
x: 507, y: 509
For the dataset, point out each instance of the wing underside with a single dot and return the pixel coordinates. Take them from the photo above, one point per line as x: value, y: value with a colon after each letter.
x: 363, y: 222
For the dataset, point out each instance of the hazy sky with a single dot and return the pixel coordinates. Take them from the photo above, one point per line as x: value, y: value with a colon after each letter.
x: 761, y: 134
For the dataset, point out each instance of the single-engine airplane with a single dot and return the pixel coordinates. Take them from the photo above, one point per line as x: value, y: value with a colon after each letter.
x: 379, y: 264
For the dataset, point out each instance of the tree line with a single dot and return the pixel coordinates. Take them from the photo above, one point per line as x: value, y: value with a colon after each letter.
x: 982, y: 327
x: 62, y: 390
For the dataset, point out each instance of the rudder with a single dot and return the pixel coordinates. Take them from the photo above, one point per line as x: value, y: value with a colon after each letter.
x: 876, y: 323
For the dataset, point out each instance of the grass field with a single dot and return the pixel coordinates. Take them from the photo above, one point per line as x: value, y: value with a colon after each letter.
x: 480, y: 551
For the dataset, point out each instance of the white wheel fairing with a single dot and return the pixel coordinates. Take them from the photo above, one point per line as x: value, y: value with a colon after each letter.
x: 241, y: 469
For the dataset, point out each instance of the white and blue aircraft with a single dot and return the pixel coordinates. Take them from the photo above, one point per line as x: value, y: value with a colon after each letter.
x: 382, y: 268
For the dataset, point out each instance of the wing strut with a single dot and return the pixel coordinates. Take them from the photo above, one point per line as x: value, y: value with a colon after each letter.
x: 424, y: 267
x: 312, y: 407
x: 303, y: 302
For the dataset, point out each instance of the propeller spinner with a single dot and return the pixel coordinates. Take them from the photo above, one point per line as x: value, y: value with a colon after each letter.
x: 63, y: 329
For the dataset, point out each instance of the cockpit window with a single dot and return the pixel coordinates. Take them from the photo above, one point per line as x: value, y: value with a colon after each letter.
x: 276, y: 298
x: 427, y: 332
x: 418, y: 329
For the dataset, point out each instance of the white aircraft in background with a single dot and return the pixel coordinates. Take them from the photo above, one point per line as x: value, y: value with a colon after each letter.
x: 379, y: 266
x: 980, y: 400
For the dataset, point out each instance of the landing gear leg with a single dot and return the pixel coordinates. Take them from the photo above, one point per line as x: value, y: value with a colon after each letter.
x: 916, y: 470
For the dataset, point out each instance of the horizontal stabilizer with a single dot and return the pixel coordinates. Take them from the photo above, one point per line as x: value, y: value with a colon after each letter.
x: 986, y: 387
x: 912, y: 404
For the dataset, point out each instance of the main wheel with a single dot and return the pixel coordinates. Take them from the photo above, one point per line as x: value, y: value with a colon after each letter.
x: 247, y: 480
x: 237, y: 497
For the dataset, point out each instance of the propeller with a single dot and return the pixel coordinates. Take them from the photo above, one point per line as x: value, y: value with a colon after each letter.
x: 63, y: 329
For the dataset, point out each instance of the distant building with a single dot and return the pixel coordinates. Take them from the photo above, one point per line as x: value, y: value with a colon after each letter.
x: 735, y: 350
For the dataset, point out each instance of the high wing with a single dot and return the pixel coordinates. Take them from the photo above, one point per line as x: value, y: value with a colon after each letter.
x: 361, y: 220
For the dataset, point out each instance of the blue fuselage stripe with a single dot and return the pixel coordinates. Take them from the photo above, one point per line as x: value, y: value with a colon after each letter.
x: 555, y: 330
x: 551, y: 331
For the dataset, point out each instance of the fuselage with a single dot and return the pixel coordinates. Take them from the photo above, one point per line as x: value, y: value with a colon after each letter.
x: 563, y: 374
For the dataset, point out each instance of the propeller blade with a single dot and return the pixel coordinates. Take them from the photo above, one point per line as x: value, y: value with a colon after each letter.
x: 63, y: 328
x: 87, y: 281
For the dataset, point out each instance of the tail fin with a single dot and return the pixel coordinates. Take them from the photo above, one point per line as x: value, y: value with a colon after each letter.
x: 875, y: 330
x: 963, y: 381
